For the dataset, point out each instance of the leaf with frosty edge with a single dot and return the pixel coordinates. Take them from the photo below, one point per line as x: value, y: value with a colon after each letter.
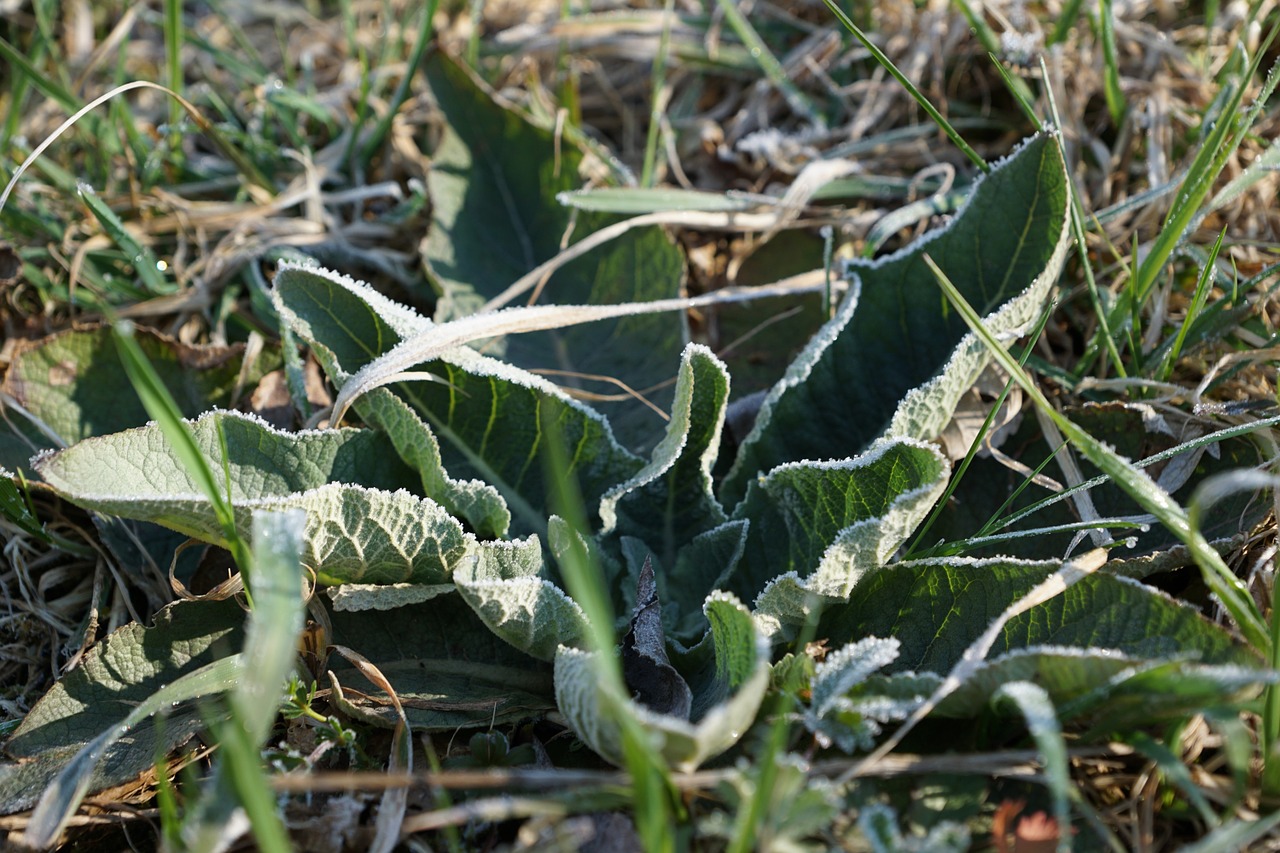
x: 724, y: 707
x: 894, y: 361
x: 347, y: 324
x: 485, y: 415
x: 670, y: 501
x: 493, y: 184
x: 363, y: 525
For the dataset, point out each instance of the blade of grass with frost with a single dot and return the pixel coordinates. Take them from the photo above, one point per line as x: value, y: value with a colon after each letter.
x: 1209, y: 492
x: 271, y: 642
x: 976, y: 445
x: 60, y: 800
x: 1230, y: 590
x: 652, y: 790
x: 1042, y: 721
x: 887, y: 64
x: 163, y: 410
x: 439, y: 338
x: 1185, y: 447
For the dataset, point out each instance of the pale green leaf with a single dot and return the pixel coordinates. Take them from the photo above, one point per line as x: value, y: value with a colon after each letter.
x: 72, y: 384
x: 485, y: 415
x: 347, y: 324
x: 362, y: 525
x: 504, y: 586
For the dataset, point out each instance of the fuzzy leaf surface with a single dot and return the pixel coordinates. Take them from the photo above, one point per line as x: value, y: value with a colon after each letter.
x: 347, y: 324
x: 116, y: 675
x: 670, y: 500
x: 484, y: 415
x: 362, y: 523
x: 894, y: 361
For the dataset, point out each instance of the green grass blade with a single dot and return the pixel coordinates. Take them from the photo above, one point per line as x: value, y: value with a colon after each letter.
x: 173, y: 38
x: 1230, y: 590
x: 163, y: 410
x: 383, y: 127
x: 651, y: 785
x: 143, y: 259
x: 1193, y: 311
x: 19, y: 61
x: 1018, y: 88
x: 1082, y: 247
x: 1066, y: 20
x: 1216, y: 148
x: 1111, y: 73
x: 242, y: 763
x: 656, y: 81
x: 920, y: 99
x: 1037, y: 709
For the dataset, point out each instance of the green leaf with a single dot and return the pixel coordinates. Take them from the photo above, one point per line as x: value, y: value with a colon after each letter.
x: 818, y: 527
x: 1109, y: 690
x: 493, y: 186
x: 484, y: 415
x: 72, y: 383
x: 448, y: 669
x: 65, y: 793
x: 117, y: 675
x: 724, y: 705
x: 670, y: 500
x: 505, y: 587
x: 348, y: 324
x: 894, y: 361
x: 362, y: 525
x: 936, y: 608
